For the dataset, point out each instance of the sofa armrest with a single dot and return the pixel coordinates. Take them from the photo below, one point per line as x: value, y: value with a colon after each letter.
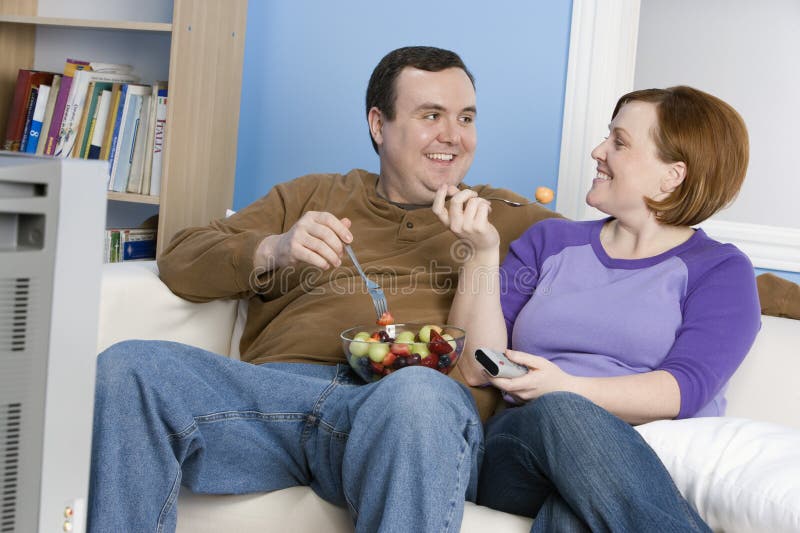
x: 136, y: 304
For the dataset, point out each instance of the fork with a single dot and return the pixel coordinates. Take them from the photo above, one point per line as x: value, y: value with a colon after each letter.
x: 512, y: 203
x: 375, y: 291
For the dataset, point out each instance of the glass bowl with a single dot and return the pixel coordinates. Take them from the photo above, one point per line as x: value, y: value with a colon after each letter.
x: 376, y: 351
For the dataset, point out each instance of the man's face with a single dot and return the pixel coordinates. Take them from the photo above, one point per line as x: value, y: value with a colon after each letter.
x: 432, y: 138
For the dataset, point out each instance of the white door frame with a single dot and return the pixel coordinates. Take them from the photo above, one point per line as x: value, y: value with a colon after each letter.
x: 601, y: 64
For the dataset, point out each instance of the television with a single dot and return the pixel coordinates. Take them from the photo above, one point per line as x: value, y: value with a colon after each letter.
x: 52, y: 217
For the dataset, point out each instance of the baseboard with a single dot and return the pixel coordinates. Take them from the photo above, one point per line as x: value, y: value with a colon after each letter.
x: 769, y: 247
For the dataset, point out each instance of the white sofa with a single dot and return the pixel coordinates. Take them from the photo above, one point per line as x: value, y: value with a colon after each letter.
x: 742, y: 472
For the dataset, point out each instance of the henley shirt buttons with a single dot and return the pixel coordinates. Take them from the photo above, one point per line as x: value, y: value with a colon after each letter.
x: 409, y: 225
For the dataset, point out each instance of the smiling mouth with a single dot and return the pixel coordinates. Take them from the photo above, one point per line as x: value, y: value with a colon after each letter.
x: 603, y: 176
x: 440, y: 157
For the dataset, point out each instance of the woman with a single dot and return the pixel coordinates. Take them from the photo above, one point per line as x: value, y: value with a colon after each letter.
x: 621, y: 321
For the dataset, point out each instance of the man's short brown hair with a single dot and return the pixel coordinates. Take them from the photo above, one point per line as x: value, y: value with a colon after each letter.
x: 710, y: 137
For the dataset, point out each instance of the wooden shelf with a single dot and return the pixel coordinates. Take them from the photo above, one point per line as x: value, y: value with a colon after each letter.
x: 196, y: 180
x: 133, y: 198
x: 88, y: 24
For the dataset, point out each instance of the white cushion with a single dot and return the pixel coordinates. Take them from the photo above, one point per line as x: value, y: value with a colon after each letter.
x: 238, y: 328
x: 300, y: 510
x: 765, y: 385
x: 136, y: 304
x: 740, y: 475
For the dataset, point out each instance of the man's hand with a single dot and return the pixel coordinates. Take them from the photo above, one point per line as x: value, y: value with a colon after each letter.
x: 467, y: 217
x: 316, y: 239
x: 544, y: 376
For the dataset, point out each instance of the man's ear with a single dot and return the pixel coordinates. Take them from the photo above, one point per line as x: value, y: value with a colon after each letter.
x: 375, y: 120
x: 675, y: 176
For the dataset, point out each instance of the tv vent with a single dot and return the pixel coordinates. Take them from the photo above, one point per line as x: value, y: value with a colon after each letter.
x: 14, y: 307
x: 10, y: 420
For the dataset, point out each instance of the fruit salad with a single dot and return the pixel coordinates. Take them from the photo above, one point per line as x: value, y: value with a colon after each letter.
x: 374, y: 354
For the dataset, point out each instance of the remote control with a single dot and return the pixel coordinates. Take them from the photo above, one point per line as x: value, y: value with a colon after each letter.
x: 498, y: 365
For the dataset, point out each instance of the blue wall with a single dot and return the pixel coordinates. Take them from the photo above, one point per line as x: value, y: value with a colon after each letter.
x: 307, y: 63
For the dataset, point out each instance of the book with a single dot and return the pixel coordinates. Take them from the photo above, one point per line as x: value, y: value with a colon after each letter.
x: 110, y: 122
x: 83, y: 140
x: 137, y: 160
x: 16, y: 117
x: 112, y: 246
x: 128, y: 119
x: 137, y: 244
x: 81, y: 129
x: 115, y: 128
x: 97, y: 131
x: 70, y: 67
x: 36, y: 121
x: 48, y: 113
x: 147, y: 165
x: 76, y: 99
x: 18, y: 113
x: 32, y: 96
x: 158, y: 143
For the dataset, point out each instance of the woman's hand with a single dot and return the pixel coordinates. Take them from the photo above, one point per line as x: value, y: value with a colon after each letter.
x: 467, y: 217
x: 543, y: 376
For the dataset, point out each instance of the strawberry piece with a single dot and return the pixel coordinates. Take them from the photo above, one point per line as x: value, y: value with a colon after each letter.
x: 386, y: 319
x: 438, y: 344
x: 432, y: 361
x: 389, y: 359
x: 400, y: 349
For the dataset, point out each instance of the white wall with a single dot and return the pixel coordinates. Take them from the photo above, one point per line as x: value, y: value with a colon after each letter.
x: 746, y: 52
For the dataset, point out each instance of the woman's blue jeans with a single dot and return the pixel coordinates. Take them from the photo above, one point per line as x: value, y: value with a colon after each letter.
x: 401, y: 454
x: 576, y: 467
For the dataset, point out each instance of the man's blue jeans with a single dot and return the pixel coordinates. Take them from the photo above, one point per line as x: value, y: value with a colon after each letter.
x: 576, y: 467
x: 401, y: 454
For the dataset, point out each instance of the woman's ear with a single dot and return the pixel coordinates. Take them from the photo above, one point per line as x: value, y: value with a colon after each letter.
x: 375, y: 121
x: 675, y: 176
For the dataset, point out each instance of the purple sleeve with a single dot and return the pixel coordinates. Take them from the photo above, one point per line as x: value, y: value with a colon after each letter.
x: 721, y: 317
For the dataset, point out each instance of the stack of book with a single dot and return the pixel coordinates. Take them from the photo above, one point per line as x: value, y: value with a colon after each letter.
x: 93, y: 111
x: 129, y: 244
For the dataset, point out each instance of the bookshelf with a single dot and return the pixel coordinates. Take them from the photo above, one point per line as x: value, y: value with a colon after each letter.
x: 200, y: 51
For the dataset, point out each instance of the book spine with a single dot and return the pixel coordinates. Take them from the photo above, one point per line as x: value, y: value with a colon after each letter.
x: 112, y: 117
x: 112, y: 155
x: 58, y: 115
x: 16, y: 118
x: 38, y: 117
x: 115, y: 246
x: 48, y: 114
x: 136, y: 245
x: 83, y: 141
x: 28, y: 118
x: 126, y: 144
x: 158, y: 143
x: 139, y: 147
x: 81, y: 125
x: 99, y: 126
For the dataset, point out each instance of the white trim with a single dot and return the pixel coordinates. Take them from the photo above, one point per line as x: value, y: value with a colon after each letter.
x: 770, y: 247
x: 600, y: 67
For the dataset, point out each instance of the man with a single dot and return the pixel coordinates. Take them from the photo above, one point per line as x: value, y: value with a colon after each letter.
x: 402, y: 453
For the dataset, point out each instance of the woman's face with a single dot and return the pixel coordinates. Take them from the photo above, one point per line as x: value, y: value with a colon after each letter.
x: 628, y: 167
